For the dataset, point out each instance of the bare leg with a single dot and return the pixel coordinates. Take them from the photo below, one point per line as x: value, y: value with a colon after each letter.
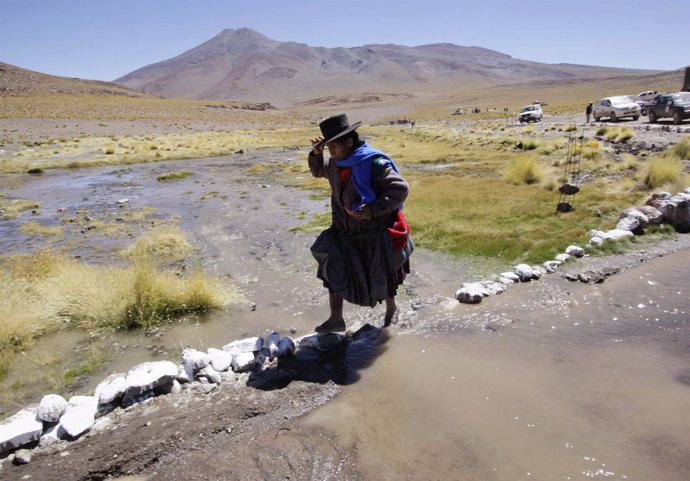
x: 335, y: 322
x: 391, y: 312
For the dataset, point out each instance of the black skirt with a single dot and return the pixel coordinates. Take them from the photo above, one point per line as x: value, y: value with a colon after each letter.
x: 360, y: 267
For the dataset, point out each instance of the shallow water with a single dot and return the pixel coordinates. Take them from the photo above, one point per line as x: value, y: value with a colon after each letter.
x: 599, y: 390
x: 552, y: 380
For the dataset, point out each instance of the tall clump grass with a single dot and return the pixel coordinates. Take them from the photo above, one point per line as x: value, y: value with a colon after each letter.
x: 682, y: 148
x: 615, y: 134
x: 44, y: 292
x: 662, y: 170
x: 523, y: 170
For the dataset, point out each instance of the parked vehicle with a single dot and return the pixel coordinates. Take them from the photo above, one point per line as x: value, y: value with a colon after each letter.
x: 531, y: 113
x: 648, y: 95
x: 616, y: 108
x: 675, y: 105
x: 644, y: 99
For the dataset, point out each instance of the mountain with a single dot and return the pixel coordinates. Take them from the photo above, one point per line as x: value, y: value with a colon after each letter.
x: 245, y: 65
x: 19, y: 81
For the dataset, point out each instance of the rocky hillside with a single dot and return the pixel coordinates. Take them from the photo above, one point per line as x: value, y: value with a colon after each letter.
x: 15, y: 81
x: 246, y: 65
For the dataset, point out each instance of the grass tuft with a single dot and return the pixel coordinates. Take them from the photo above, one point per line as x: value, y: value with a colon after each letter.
x: 169, y: 176
x: 663, y: 170
x: 523, y: 170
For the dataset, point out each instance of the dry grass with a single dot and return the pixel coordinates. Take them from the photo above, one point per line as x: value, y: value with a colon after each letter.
x: 44, y: 292
x: 682, y: 148
x: 615, y: 134
x: 100, y: 151
x: 523, y: 170
x: 165, y: 242
x: 12, y: 208
x: 34, y: 229
x: 170, y: 176
x: 663, y: 170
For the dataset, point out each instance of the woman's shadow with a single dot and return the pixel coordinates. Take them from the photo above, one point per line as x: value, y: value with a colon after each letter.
x: 321, y: 358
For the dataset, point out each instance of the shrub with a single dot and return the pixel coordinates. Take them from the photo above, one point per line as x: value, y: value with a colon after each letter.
x: 664, y: 169
x: 162, y: 243
x: 523, y: 170
x: 682, y: 148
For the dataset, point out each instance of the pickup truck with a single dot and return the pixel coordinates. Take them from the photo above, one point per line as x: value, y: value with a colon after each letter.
x: 674, y: 105
x: 644, y: 99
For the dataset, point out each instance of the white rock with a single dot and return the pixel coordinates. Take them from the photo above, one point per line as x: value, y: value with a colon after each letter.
x: 596, y: 233
x: 111, y: 389
x: 22, y: 428
x: 511, y: 276
x: 49, y: 436
x: 539, y: 271
x: 654, y: 215
x: 575, y: 251
x: 629, y: 223
x: 211, y: 374
x: 494, y: 288
x: 184, y: 374
x: 615, y: 234
x: 524, y: 272
x: 635, y: 213
x: 250, y: 344
x: 195, y: 359
x: 148, y: 376
x: 79, y: 416
x: 51, y: 407
x: 563, y: 257
x: 596, y: 241
x: 22, y: 456
x: 243, y: 361
x: 472, y: 294
x: 123, y: 201
x: 271, y: 343
x: 220, y: 360
x: 551, y: 266
x: 286, y: 347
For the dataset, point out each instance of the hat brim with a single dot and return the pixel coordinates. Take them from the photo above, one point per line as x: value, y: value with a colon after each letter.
x: 340, y: 134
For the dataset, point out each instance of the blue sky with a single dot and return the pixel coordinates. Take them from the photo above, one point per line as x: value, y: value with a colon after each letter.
x: 104, y: 40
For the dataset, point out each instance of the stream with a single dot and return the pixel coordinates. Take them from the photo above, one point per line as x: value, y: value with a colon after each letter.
x: 552, y: 380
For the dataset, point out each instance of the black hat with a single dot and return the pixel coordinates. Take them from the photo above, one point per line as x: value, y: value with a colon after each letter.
x: 335, y: 127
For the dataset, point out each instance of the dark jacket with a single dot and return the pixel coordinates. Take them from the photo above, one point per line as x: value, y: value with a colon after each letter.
x: 390, y: 187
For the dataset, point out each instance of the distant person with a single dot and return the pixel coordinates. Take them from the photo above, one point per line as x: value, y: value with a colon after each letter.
x: 588, y: 111
x: 364, y: 256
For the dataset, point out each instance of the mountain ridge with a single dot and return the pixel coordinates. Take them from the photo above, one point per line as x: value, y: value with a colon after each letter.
x: 246, y: 65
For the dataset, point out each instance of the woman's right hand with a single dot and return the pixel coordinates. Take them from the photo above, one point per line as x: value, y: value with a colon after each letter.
x: 317, y: 150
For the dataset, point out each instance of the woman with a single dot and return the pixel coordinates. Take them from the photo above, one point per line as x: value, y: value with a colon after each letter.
x: 364, y: 256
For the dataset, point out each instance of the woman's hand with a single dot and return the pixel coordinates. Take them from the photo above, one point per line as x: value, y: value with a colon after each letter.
x: 317, y: 150
x: 363, y: 213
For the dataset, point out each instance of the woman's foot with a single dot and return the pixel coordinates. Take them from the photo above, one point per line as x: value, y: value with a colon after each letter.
x: 390, y: 318
x: 331, y: 325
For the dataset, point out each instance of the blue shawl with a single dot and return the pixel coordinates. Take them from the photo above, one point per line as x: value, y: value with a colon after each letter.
x: 361, y: 161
